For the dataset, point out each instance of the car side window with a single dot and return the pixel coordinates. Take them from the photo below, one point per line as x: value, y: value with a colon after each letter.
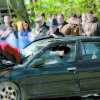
x: 90, y: 50
x: 59, y: 54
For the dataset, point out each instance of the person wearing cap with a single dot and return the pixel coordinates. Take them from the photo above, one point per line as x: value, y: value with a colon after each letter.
x: 39, y: 31
x: 53, y: 29
x: 42, y: 16
x: 60, y: 20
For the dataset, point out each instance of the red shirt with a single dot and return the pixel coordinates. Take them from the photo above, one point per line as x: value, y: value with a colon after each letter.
x: 9, y: 51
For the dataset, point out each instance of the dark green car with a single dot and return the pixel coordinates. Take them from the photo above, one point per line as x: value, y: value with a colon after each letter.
x: 76, y: 72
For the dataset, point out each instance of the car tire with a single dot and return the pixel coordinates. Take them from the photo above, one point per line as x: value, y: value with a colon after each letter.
x: 9, y: 91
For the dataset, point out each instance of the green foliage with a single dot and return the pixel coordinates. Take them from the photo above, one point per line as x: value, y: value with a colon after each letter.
x: 65, y: 6
x: 20, y: 10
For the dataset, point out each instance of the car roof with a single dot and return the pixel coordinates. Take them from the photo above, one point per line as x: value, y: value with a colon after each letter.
x: 80, y: 37
x: 69, y: 38
x: 66, y: 38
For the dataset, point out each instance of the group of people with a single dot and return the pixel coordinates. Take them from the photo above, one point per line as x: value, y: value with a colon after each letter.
x: 76, y: 25
x: 56, y: 26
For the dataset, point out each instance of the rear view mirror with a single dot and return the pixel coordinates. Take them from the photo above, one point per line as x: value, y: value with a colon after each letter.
x: 37, y: 63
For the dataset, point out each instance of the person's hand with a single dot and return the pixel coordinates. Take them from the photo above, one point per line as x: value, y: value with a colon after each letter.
x: 9, y: 28
x: 61, y: 53
x: 1, y: 31
x: 59, y: 26
x: 53, y: 35
x: 37, y: 35
x: 83, y: 34
x: 88, y: 33
x: 41, y: 34
x: 94, y: 56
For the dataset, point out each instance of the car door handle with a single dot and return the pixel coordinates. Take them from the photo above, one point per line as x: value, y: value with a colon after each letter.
x: 71, y: 69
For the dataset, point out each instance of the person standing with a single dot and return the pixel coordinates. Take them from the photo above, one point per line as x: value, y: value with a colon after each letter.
x: 25, y: 31
x: 61, y: 22
x: 4, y: 26
x: 54, y: 30
x: 71, y: 28
x: 93, y: 27
x: 49, y: 18
x: 78, y: 25
x: 42, y: 16
x: 39, y: 31
x: 84, y: 24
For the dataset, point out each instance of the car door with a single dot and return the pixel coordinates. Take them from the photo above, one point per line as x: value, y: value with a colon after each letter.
x: 89, y: 65
x: 52, y: 78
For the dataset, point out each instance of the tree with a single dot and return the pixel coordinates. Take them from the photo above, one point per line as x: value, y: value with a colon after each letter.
x: 65, y: 6
x: 20, y: 10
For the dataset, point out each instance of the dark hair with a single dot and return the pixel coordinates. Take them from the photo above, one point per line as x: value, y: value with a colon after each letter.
x: 61, y: 15
x: 13, y: 24
x: 79, y: 16
x: 23, y: 26
x: 42, y: 14
x: 90, y: 12
x: 95, y: 19
x: 72, y: 15
x: 10, y: 24
x: 54, y: 16
x: 50, y: 15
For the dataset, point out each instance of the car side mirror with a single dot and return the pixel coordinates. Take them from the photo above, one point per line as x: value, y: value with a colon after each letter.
x: 37, y: 63
x: 7, y: 62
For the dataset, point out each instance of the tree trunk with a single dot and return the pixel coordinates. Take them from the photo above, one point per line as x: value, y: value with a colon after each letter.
x: 20, y: 10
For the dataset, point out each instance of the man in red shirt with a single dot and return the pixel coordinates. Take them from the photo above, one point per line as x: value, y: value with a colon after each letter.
x: 10, y: 52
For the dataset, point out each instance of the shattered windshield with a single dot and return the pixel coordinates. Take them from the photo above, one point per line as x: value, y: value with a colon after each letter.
x: 38, y: 45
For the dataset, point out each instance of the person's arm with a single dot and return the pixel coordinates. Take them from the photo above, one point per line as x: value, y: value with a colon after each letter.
x: 50, y: 54
x: 31, y: 35
x: 53, y: 35
x: 6, y: 33
x: 1, y: 32
x: 93, y: 31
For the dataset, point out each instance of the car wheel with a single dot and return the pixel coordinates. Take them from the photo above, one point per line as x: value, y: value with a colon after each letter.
x: 9, y: 91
